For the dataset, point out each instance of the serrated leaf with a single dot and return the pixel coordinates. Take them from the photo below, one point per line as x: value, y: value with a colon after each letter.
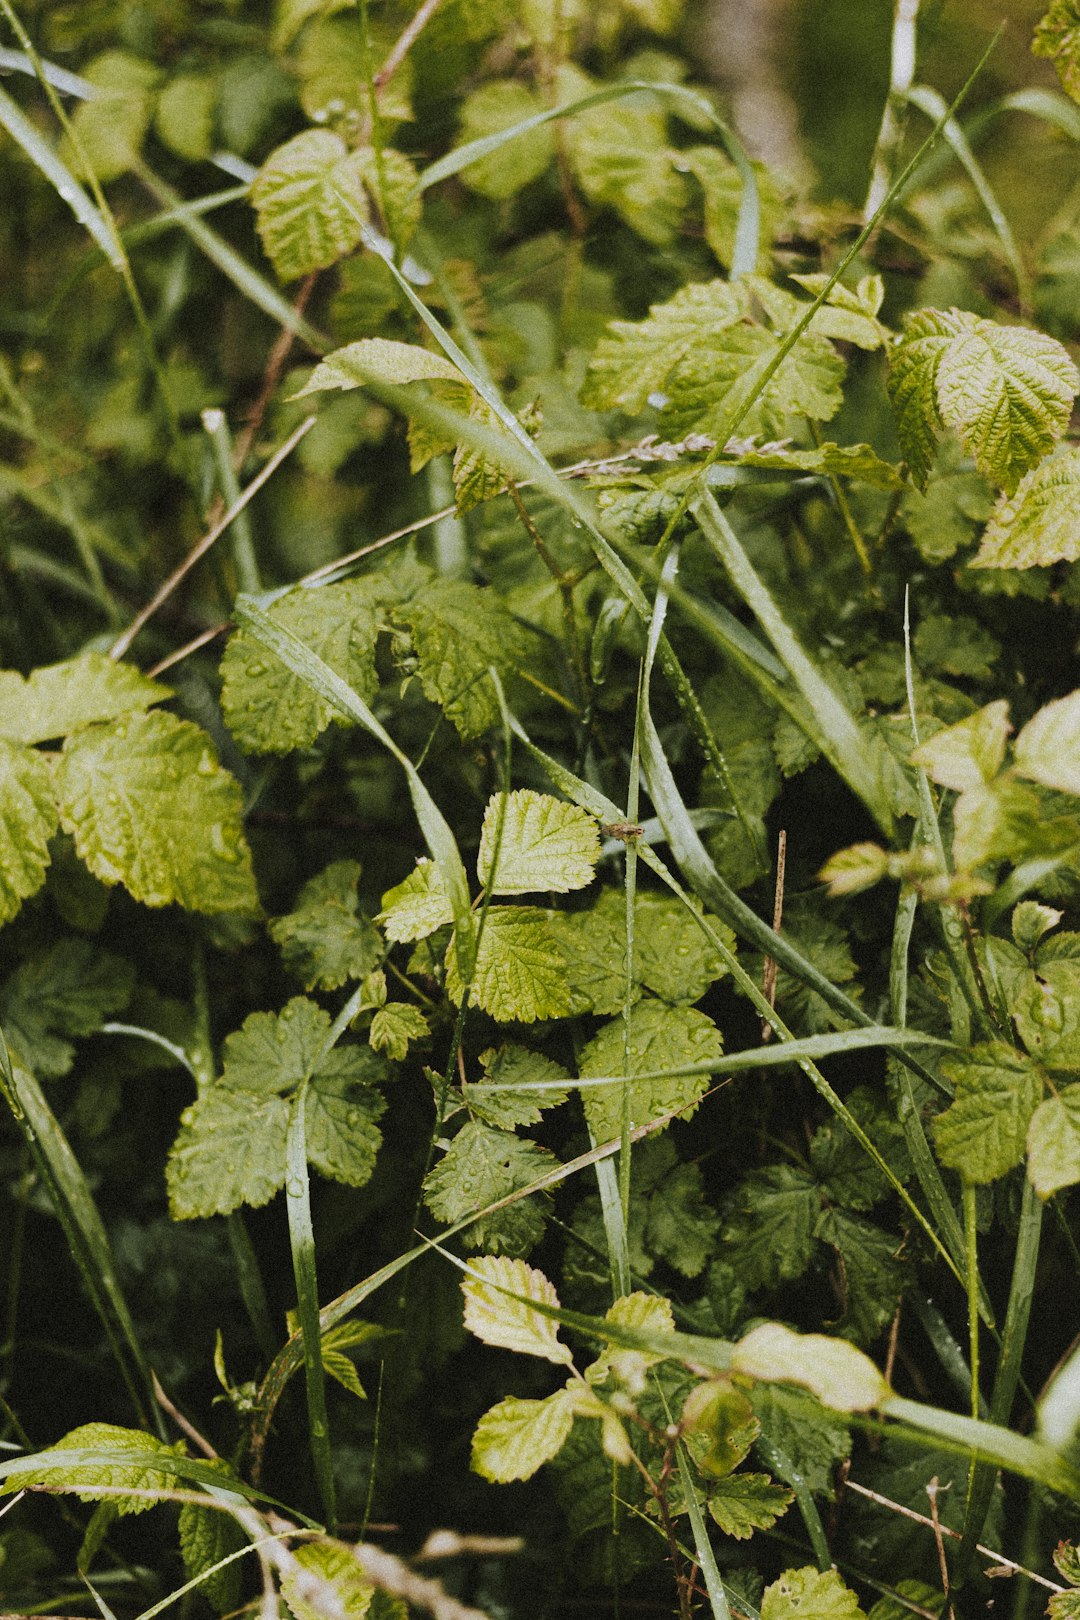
x: 810, y: 1594
x: 769, y: 1224
x: 1046, y: 1009
x: 660, y: 1037
x: 857, y: 461
x: 326, y: 940
x: 517, y: 1437
x: 506, y: 1322
x: 970, y: 753
x: 621, y: 159
x: 872, y: 1272
x: 514, y: 1067
x: 381, y: 360
x: 458, y: 632
x: 520, y: 972
x: 330, y: 1574
x: 68, y: 989
x: 206, y: 1536
x: 743, y: 1503
x: 28, y: 819
x: 813, y: 1439
x: 593, y: 945
x: 680, y: 1226
x: 416, y: 906
x: 1039, y: 524
x: 711, y: 384
x: 1030, y: 921
x: 230, y: 1151
x: 310, y: 203
x: 493, y: 107
x: 484, y: 1164
x: 636, y: 357
x: 56, y: 698
x: 722, y: 189
x: 1057, y: 36
x: 949, y: 512
x: 128, y: 1467
x: 1006, y: 390
x: 273, y: 1052
x: 672, y: 956
x: 342, y: 1135
x: 1048, y: 748
x: 111, y: 126
x: 983, y: 1131
x: 267, y: 708
x: 395, y: 1027
x: 1053, y: 1143
x: 1066, y: 1557
x: 531, y: 841
x: 837, y: 1374
x: 149, y: 806
x: 649, y: 1312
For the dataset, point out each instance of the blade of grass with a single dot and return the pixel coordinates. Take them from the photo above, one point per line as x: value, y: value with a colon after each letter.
x: 243, y: 544
x: 779, y: 1463
x: 60, y: 177
x: 302, y: 1246
x: 706, y: 1558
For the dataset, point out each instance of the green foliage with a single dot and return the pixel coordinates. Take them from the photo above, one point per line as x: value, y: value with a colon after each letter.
x: 810, y: 1591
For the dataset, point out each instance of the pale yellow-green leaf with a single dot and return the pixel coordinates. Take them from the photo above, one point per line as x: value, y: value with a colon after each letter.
x: 743, y: 1503
x: 651, y: 1312
x: 832, y: 1369
x: 517, y: 1437
x: 109, y: 129
x: 520, y: 972
x: 126, y: 1462
x: 395, y: 1026
x: 499, y: 1318
x: 1053, y: 1143
x: 493, y: 107
x: 1040, y: 523
x: 185, y: 115
x: 531, y: 841
x: 329, y: 1580
x: 56, y: 698
x: 1048, y: 748
x: 417, y: 905
x: 28, y: 819
x: 983, y: 1131
x: 380, y: 360
x: 810, y: 1594
x: 970, y: 753
x: 310, y: 203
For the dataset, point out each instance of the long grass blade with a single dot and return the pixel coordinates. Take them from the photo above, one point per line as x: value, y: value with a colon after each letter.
x: 60, y: 177
x: 714, y: 1585
x: 302, y: 1246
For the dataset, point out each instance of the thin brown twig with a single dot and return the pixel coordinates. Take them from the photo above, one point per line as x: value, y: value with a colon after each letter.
x: 405, y: 42
x: 935, y: 1524
x: 769, y: 979
x: 182, y: 1423
x: 275, y: 365
x: 199, y: 550
x: 189, y: 647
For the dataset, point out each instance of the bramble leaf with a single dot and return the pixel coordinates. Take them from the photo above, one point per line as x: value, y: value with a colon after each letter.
x: 983, y: 1131
x: 56, y: 698
x: 970, y: 753
x: 1006, y: 390
x: 28, y: 819
x: 768, y: 1229
x: 484, y: 1164
x: 660, y: 1038
x: 395, y: 1026
x: 1048, y: 747
x: 329, y: 1573
x: 309, y: 203
x: 150, y: 807
x: 531, y: 841
x: 743, y: 1503
x: 1057, y: 36
x: 380, y: 360
x: 517, y: 1437
x: 269, y: 709
x: 507, y: 1322
x: 458, y: 631
x: 1053, y: 1143
x: 206, y: 1536
x: 840, y: 1376
x: 69, y: 988
x: 326, y: 940
x: 810, y: 1594
x: 621, y: 158
x: 417, y: 906
x: 1039, y: 523
x: 491, y: 108
x: 516, y: 1067
x: 111, y: 126
x: 520, y: 972
x: 129, y: 1467
x: 1046, y: 1008
x: 230, y: 1151
x: 341, y: 1113
x: 636, y: 357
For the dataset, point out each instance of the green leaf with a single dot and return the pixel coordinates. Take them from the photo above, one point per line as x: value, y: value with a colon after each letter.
x: 769, y: 1220
x: 333, y: 70
x: 810, y: 1594
x: 636, y: 357
x: 515, y: 1067
x: 1057, y: 36
x: 1066, y: 1557
x: 69, y: 988
x: 648, y: 1312
x: 531, y: 841
x: 1006, y: 390
x: 660, y: 1038
x: 508, y: 1322
x: 948, y: 514
x: 872, y: 1270
x: 497, y: 105
x: 56, y: 698
x: 206, y: 1536
x: 621, y: 159
x: 969, y: 753
x: 743, y: 1503
x: 326, y: 940
x: 185, y: 115
x: 381, y: 360
x: 86, y: 1479
x: 520, y: 972
x: 672, y: 956
x: 813, y: 1439
x: 857, y: 461
x: 680, y: 1226
x: 1039, y: 524
x: 837, y: 1374
x: 331, y: 1581
x: 230, y: 1151
x: 310, y: 203
x: 1046, y: 1008
x: 517, y: 1437
x: 111, y: 127
x: 149, y: 806
x: 28, y: 819
x: 416, y: 906
x: 273, y: 1052
x: 459, y: 631
x: 269, y: 709
x: 484, y: 1164
x: 983, y: 1132
x: 722, y: 189
x: 1048, y: 748
x: 1053, y: 1143
x: 394, y: 1027
x: 593, y: 945
x: 341, y: 1113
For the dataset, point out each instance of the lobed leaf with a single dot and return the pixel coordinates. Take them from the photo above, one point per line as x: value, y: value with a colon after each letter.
x: 660, y: 1038
x: 983, y: 1132
x: 28, y: 819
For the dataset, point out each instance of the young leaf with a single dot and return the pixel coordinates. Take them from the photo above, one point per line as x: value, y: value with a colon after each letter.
x: 840, y: 1376
x: 531, y: 841
x: 810, y: 1594
x: 149, y: 806
x: 969, y: 753
x: 520, y: 972
x: 482, y: 1165
x: 28, y: 819
x: 1006, y: 390
x: 309, y: 202
x: 394, y: 1027
x: 1057, y: 36
x: 269, y: 709
x: 330, y: 1580
x: 495, y: 106
x: 743, y: 1503
x: 660, y: 1038
x: 1048, y: 748
x: 326, y: 940
x: 127, y: 1468
x: 1039, y: 524
x: 56, y: 698
x: 341, y: 1113
x: 519, y: 1070
x: 416, y: 906
x: 1053, y: 1143
x: 637, y: 1310
x: 517, y: 1437
x: 983, y: 1132
x: 621, y: 158
x: 507, y: 1322
x: 380, y: 360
